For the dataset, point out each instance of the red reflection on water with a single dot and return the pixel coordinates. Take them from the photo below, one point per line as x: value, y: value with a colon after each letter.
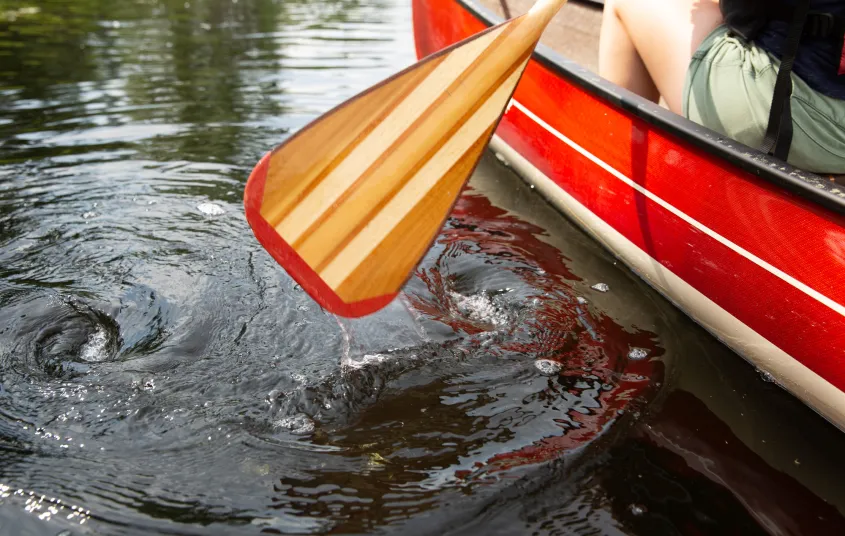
x: 591, y: 347
x: 694, y: 450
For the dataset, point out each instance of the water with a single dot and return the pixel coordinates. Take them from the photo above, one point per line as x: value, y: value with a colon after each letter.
x: 159, y: 373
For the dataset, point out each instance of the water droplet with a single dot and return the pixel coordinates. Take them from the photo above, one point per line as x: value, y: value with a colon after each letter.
x: 210, y: 209
x: 273, y: 395
x: 547, y: 367
x: 89, y: 215
x: 637, y: 509
x: 582, y: 301
x: 766, y: 377
x: 601, y: 287
x: 637, y: 354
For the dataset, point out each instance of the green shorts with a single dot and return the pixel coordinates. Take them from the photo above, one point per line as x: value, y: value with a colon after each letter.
x: 729, y: 89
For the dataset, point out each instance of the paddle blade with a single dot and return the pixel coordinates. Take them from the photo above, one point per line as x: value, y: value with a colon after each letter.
x: 350, y: 204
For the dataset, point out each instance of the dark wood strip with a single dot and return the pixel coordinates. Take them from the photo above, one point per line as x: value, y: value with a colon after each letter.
x: 372, y: 107
x: 400, y: 184
x: 425, y: 116
x: 396, y: 255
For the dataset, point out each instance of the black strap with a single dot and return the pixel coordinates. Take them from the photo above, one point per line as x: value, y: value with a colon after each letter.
x: 818, y: 25
x: 824, y: 26
x: 779, y: 132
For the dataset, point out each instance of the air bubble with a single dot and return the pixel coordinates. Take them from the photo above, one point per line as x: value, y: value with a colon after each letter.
x: 637, y: 509
x: 298, y: 424
x: 210, y: 209
x: 547, y: 367
x: 637, y: 354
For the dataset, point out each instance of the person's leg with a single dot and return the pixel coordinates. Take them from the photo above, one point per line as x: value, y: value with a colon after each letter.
x: 619, y: 60
x: 646, y: 45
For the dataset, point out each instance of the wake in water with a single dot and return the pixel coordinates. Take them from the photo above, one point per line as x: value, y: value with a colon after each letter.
x: 449, y: 387
x: 159, y: 374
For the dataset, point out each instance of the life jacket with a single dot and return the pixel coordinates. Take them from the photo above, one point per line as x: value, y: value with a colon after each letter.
x: 747, y: 18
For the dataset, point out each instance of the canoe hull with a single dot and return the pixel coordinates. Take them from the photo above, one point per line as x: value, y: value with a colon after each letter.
x: 757, y: 262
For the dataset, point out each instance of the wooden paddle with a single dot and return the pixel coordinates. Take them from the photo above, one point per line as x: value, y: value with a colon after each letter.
x: 350, y: 204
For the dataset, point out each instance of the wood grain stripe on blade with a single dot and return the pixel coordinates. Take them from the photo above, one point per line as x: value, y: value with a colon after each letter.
x: 396, y: 255
x: 335, y: 183
x: 333, y: 231
x: 295, y: 166
x: 439, y: 175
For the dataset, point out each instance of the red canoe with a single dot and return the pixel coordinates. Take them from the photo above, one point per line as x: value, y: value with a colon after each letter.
x: 750, y: 248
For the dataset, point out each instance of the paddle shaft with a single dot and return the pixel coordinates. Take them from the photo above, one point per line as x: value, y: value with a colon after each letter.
x: 546, y: 9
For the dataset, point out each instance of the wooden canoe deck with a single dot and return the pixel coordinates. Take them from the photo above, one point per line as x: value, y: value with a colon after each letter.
x: 574, y: 32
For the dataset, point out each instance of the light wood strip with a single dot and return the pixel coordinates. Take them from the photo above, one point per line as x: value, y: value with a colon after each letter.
x: 330, y: 189
x: 385, y: 271
x: 333, y: 231
x: 295, y: 167
x: 360, y: 248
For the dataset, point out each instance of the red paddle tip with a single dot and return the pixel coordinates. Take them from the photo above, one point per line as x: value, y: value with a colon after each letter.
x: 288, y: 258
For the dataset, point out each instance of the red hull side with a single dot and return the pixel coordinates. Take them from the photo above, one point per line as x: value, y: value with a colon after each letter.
x: 773, y: 261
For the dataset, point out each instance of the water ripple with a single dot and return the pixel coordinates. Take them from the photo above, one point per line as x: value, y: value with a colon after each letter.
x: 159, y: 373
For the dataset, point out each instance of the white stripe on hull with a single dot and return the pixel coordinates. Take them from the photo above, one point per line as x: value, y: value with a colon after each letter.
x: 790, y: 373
x: 813, y: 293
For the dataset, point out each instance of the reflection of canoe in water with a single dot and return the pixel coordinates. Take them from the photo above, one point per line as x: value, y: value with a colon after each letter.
x: 597, y: 382
x: 753, y: 250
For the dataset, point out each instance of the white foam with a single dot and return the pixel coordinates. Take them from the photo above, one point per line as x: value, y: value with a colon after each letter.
x: 366, y: 360
x: 547, y: 367
x: 637, y: 354
x: 299, y: 424
x: 479, y: 307
x: 210, y: 209
x: 94, y: 350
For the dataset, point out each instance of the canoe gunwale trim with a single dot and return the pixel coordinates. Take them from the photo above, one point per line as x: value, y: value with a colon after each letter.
x: 810, y: 186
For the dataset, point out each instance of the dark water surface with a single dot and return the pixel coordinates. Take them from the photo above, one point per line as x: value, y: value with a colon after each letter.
x: 161, y: 374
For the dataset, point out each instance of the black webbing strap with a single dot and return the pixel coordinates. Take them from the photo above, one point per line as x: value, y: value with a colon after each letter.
x: 818, y: 24
x: 779, y: 132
